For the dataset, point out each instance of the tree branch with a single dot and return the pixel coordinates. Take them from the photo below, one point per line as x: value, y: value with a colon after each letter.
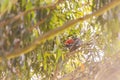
x: 56, y: 31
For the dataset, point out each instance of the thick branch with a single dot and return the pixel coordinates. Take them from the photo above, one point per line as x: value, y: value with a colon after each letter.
x: 60, y: 29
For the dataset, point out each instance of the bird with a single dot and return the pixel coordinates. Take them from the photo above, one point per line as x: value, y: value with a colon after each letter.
x: 73, y: 43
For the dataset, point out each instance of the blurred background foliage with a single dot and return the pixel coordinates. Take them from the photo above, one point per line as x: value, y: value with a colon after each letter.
x: 23, y: 21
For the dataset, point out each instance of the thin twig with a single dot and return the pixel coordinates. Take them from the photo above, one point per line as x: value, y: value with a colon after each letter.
x: 39, y: 22
x: 74, y: 74
x: 5, y: 22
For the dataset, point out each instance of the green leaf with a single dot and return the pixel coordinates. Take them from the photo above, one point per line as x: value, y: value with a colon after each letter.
x: 29, y: 5
x: 4, y: 5
x: 59, y: 54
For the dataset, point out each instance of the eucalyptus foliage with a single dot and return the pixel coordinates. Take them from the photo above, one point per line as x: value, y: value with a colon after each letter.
x: 31, y: 28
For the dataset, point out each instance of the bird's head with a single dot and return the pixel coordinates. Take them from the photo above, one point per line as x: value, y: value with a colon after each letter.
x: 68, y: 43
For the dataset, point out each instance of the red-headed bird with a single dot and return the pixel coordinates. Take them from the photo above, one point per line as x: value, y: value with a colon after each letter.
x: 73, y: 43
